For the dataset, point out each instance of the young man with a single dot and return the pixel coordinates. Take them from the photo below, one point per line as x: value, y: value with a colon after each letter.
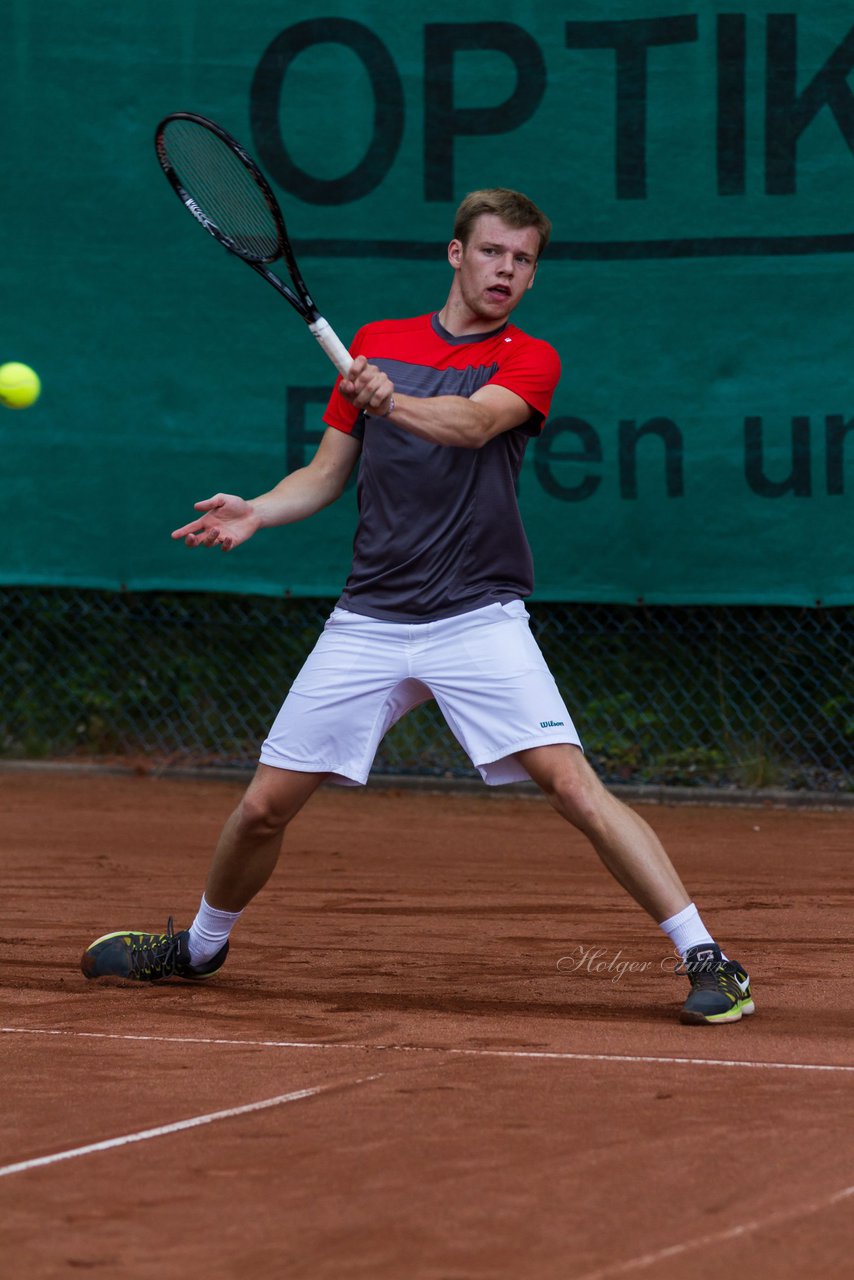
x: 438, y: 410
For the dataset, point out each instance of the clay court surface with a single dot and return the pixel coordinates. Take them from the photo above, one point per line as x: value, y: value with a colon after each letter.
x: 423, y: 1058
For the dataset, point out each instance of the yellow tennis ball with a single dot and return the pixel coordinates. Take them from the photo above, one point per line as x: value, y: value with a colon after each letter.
x: 20, y: 385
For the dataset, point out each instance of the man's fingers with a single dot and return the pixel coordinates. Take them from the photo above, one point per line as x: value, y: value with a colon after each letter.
x: 209, y: 538
x: 374, y: 392
x: 366, y: 387
x: 200, y: 533
x: 193, y: 527
x: 379, y: 398
x: 202, y: 524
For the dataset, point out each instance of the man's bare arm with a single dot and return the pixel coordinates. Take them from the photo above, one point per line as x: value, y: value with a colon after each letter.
x: 229, y: 520
x: 451, y: 420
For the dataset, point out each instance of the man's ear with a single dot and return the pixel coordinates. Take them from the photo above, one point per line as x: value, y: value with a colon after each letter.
x: 530, y: 284
x: 455, y: 253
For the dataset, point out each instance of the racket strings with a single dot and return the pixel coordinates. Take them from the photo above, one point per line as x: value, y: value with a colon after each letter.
x: 223, y: 188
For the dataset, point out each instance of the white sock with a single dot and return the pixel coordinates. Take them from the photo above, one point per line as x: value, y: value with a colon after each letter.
x: 686, y: 930
x: 209, y: 931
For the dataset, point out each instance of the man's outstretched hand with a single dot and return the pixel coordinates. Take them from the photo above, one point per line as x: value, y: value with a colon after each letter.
x: 228, y: 521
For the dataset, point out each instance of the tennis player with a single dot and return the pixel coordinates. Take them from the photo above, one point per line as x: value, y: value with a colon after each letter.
x: 437, y: 410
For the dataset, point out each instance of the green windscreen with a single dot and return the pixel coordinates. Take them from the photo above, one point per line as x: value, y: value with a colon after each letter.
x: 698, y: 170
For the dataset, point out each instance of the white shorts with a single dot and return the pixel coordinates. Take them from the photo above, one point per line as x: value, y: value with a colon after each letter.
x: 484, y: 669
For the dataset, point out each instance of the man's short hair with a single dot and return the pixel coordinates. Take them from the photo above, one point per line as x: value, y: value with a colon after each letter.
x: 510, y: 206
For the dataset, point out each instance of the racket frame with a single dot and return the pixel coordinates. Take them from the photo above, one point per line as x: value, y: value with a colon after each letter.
x: 298, y: 296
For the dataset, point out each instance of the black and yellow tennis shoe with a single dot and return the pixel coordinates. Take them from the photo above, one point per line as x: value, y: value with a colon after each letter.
x: 146, y: 957
x: 720, y: 988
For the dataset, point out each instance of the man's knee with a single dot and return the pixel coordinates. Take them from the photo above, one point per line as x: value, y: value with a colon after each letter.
x: 258, y: 816
x: 581, y: 800
x: 271, y: 800
x: 572, y: 788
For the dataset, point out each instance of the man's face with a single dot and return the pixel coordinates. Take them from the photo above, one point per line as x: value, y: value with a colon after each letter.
x: 495, y: 267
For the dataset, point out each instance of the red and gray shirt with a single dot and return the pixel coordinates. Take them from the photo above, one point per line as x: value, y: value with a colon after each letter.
x: 439, y: 528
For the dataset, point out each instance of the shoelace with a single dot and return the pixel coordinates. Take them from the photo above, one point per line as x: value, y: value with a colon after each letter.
x: 708, y: 978
x: 705, y: 975
x: 158, y: 953
x: 716, y: 976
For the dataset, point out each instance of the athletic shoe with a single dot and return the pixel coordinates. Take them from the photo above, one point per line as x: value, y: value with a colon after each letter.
x: 720, y: 989
x: 146, y: 957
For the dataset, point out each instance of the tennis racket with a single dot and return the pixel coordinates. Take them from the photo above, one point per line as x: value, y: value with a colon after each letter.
x: 227, y: 193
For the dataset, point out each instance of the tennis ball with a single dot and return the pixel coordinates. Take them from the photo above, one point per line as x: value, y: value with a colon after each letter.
x: 20, y: 385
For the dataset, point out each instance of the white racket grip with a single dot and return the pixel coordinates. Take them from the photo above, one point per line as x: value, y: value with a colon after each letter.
x: 332, y: 345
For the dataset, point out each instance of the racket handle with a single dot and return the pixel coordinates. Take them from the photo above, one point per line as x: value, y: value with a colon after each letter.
x: 332, y: 345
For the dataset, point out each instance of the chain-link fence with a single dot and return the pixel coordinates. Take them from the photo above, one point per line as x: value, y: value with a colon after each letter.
x: 736, y: 696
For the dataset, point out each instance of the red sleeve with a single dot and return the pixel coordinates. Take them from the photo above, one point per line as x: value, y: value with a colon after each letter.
x: 339, y: 412
x: 531, y: 369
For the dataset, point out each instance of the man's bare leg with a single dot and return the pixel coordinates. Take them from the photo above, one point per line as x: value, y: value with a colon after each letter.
x: 251, y: 840
x: 627, y: 845
x: 244, y: 859
x: 632, y: 852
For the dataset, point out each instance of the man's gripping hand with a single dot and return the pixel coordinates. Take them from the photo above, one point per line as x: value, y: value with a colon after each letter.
x: 228, y: 521
x: 368, y: 388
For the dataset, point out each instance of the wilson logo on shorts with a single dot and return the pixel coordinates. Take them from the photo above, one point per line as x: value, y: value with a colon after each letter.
x: 551, y: 724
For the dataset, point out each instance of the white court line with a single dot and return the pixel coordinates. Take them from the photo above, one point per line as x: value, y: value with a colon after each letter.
x: 734, y: 1233
x: 438, y: 1049
x: 161, y: 1130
